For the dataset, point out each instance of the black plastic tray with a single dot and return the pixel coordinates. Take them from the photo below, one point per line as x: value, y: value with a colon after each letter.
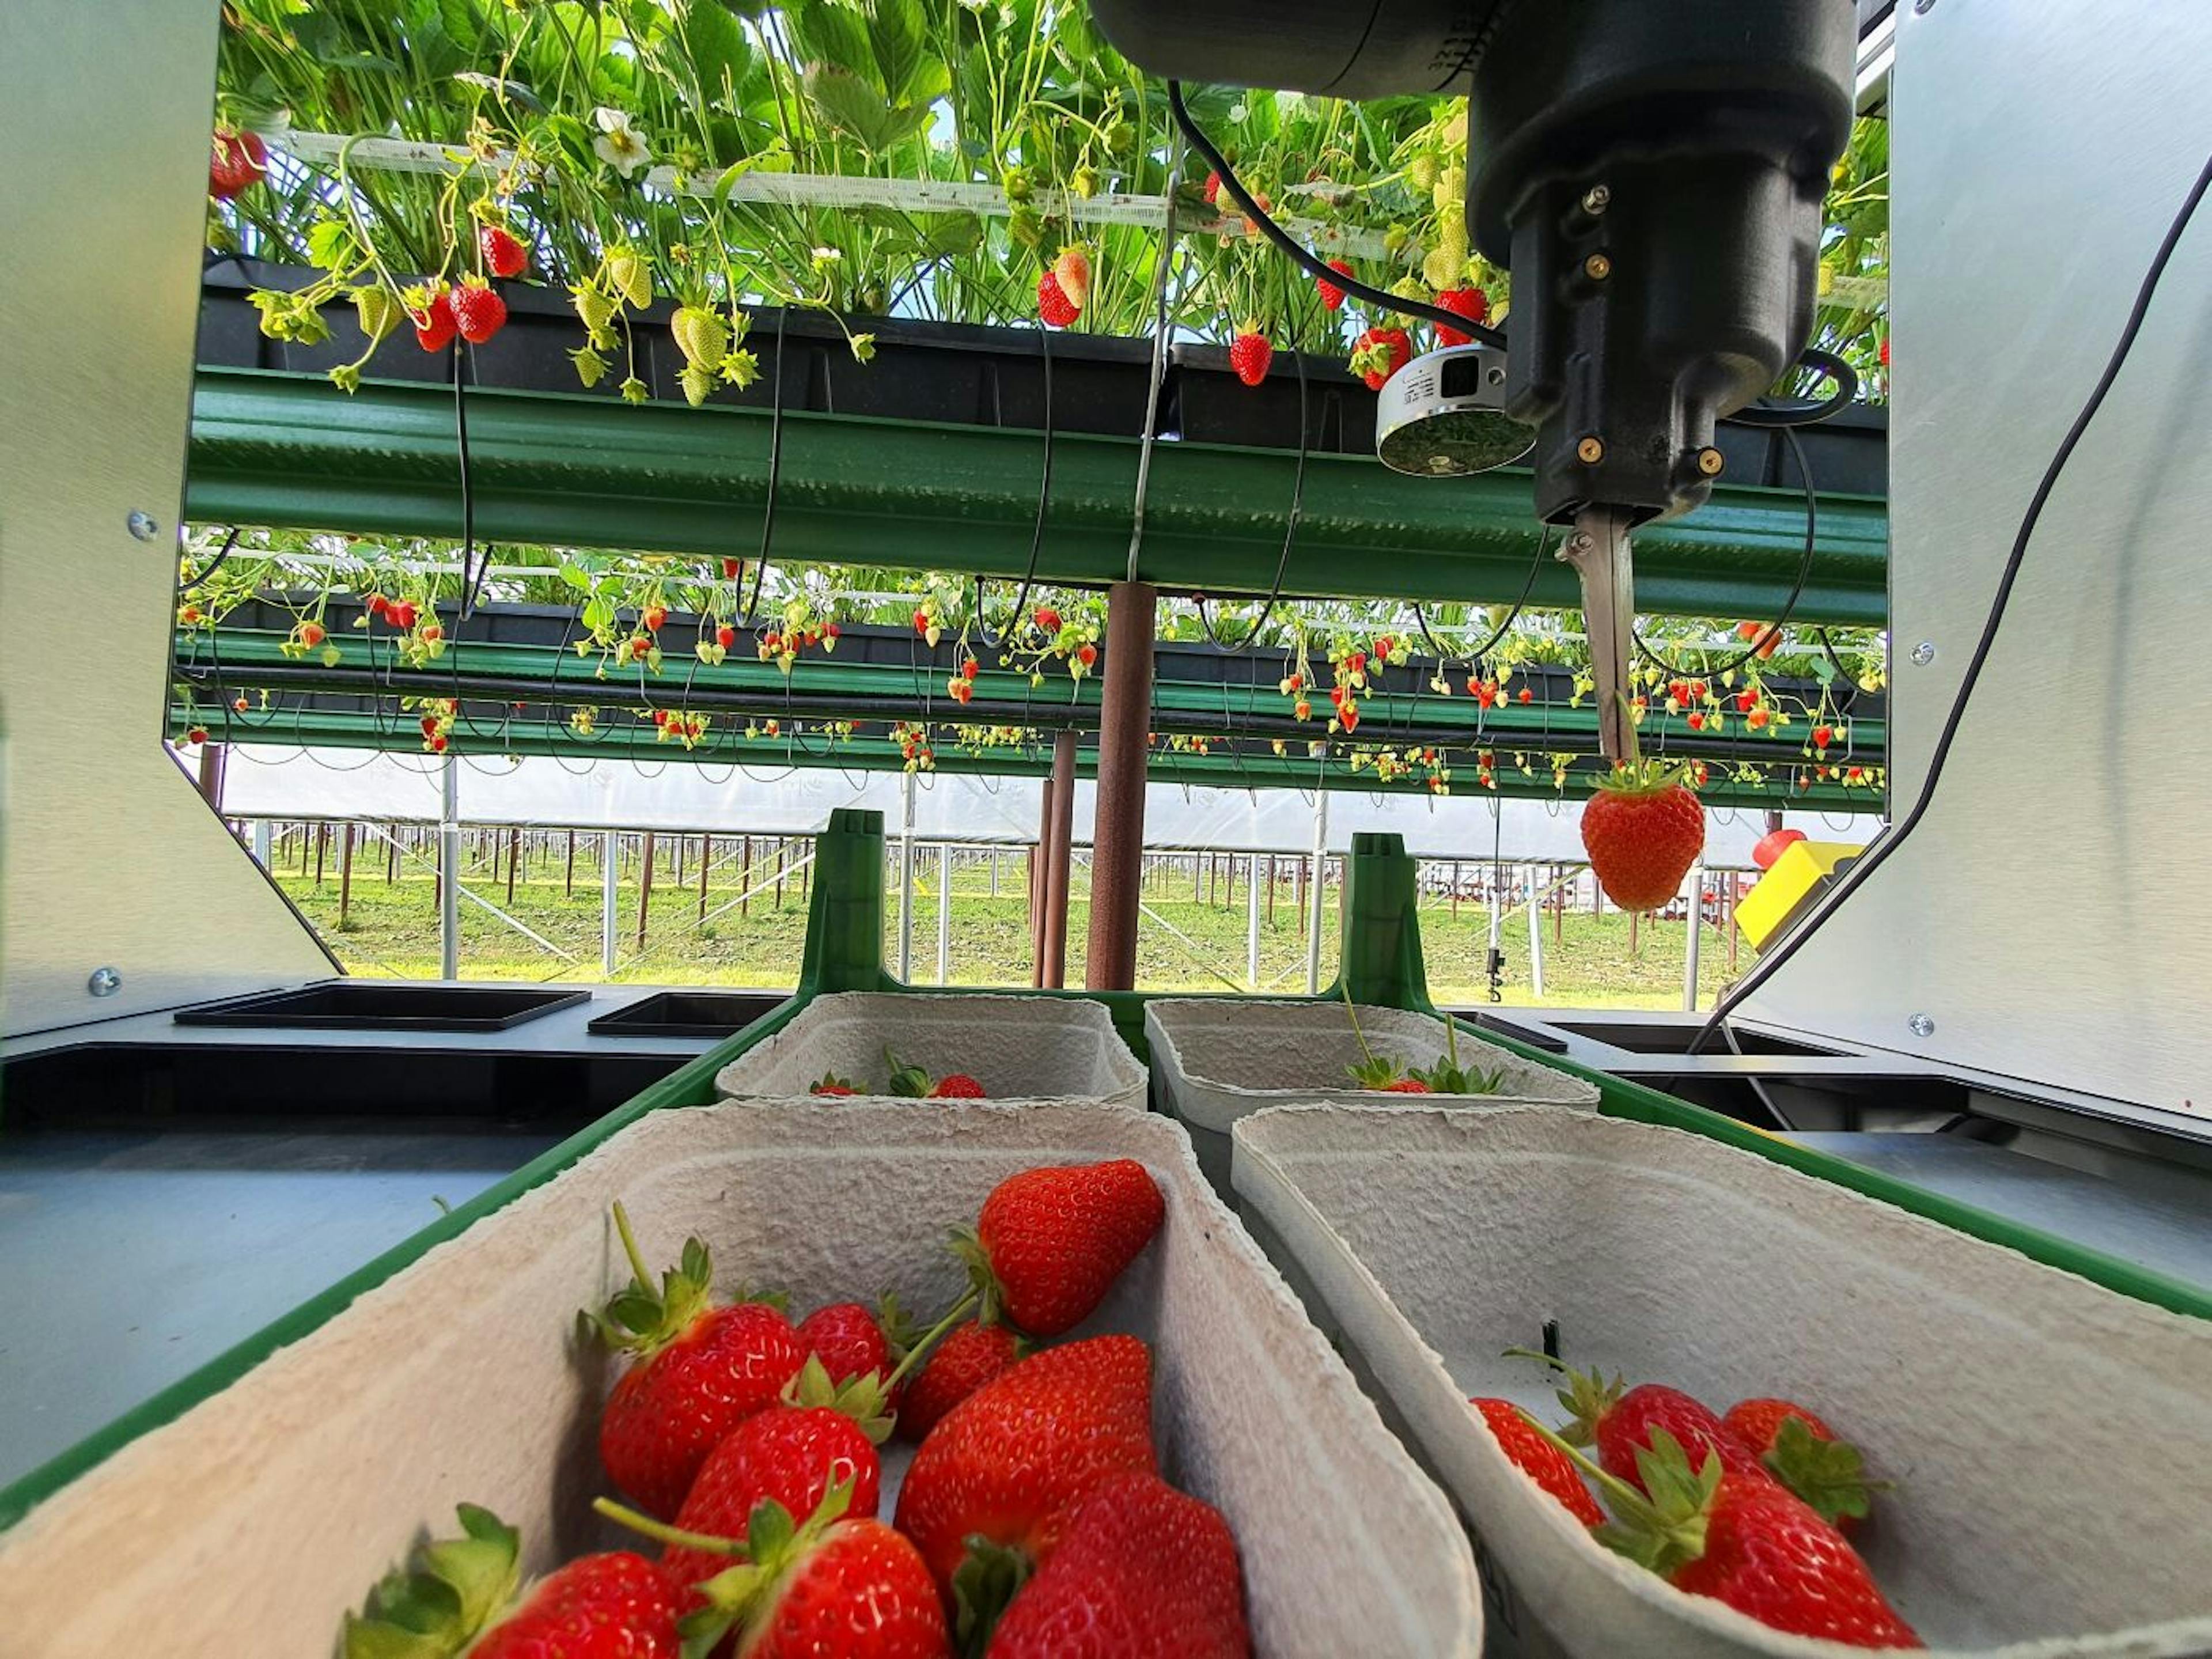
x: 345, y: 1005
x: 688, y: 1014
x: 1660, y: 1037
x: 1535, y: 1037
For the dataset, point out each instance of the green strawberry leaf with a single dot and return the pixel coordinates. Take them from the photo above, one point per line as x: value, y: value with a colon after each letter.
x: 1830, y: 1475
x: 983, y: 1588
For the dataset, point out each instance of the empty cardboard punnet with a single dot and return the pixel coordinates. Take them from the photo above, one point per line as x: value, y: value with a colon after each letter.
x: 1218, y: 1060
x: 248, y: 1525
x: 1018, y: 1048
x: 2051, y: 1441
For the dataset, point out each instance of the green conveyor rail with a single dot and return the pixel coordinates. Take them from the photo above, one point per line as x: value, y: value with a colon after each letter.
x: 1381, y: 964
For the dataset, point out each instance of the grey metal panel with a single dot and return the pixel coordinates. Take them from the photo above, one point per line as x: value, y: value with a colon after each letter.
x: 111, y: 859
x: 2055, y: 924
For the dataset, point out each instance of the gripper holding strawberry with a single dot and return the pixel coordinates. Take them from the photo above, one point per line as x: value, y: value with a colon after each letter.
x: 1642, y: 828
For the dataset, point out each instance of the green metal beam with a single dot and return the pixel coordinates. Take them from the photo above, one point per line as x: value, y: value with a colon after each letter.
x: 290, y: 450
x: 830, y: 689
x: 726, y: 744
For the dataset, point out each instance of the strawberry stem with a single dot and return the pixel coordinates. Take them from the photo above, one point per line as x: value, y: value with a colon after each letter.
x: 929, y: 1338
x: 661, y: 1532
x: 629, y: 1247
x: 1622, y: 1496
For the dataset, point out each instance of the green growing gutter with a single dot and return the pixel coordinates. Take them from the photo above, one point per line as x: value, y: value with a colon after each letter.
x: 290, y: 450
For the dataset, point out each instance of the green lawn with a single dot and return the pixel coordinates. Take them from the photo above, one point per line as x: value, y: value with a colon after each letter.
x: 391, y: 929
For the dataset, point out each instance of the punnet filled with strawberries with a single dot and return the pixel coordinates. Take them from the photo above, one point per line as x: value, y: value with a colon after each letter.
x: 1693, y: 1402
x: 908, y: 1046
x: 848, y: 1379
x: 1217, y: 1060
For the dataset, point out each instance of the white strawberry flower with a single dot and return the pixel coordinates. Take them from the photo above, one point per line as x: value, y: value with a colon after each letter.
x: 618, y: 144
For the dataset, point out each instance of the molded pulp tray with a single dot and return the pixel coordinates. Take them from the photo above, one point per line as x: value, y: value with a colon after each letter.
x: 1018, y: 1048
x: 1220, y: 1060
x: 2051, y: 1441
x: 245, y: 1526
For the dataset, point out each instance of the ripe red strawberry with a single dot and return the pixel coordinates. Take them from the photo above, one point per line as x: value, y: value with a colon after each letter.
x: 503, y: 256
x: 1643, y: 830
x: 434, y: 322
x: 1803, y: 1452
x: 401, y: 615
x: 1751, y: 1544
x: 970, y: 1356
x: 1332, y: 296
x: 725, y: 636
x: 1407, y: 1085
x: 1050, y: 1243
x: 831, y: 1084
x: 654, y: 616
x: 1822, y: 735
x: 910, y: 1082
x: 1140, y: 1569
x: 699, y: 1371
x: 997, y: 1475
x: 196, y: 734
x: 478, y: 313
x: 1086, y: 653
x: 787, y: 1455
x: 832, y: 1585
x: 1054, y: 307
x: 461, y: 1595
x: 1213, y: 196
x: 237, y: 162
x: 1380, y: 353
x: 1620, y: 1424
x: 1471, y: 303
x: 1539, y: 1459
x: 1047, y: 620
x: 1249, y: 354
x: 852, y: 1342
x: 957, y: 1085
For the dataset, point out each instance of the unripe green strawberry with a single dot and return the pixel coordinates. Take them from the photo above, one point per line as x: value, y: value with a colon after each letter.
x: 379, y: 310
x: 631, y: 274
x: 702, y: 336
x: 696, y: 383
x: 593, y: 306
x: 591, y: 368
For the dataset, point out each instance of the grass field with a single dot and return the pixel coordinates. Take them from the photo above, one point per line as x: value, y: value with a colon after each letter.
x: 391, y: 930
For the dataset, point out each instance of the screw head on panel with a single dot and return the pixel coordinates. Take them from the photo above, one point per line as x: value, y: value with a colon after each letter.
x: 143, y: 524
x: 1922, y: 1025
x: 104, y: 982
x: 1924, y: 653
x: 1597, y: 199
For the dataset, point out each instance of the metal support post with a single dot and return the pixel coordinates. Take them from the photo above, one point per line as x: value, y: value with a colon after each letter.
x: 1117, y: 834
x: 262, y: 851
x: 449, y: 869
x: 610, y: 899
x: 1058, y: 859
x: 1315, y: 888
x: 1252, y: 925
x: 1696, y: 938
x: 944, y: 913
x: 906, y: 881
x: 1535, y: 938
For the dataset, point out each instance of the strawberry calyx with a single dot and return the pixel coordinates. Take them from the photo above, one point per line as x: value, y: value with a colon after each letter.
x: 1371, y: 1071
x: 743, y: 1595
x: 831, y: 1084
x: 1829, y: 1475
x: 1588, y: 1396
x: 984, y: 1585
x: 907, y: 1082
x: 457, y: 1588
x: 1644, y: 775
x: 864, y: 1397
x: 1449, y: 1077
x: 641, y: 1319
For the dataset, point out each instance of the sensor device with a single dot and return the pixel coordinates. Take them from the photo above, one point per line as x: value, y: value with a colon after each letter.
x: 1441, y: 416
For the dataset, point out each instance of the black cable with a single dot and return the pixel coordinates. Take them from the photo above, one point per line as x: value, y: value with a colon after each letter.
x: 1797, y: 591
x: 1036, y: 529
x: 1527, y: 587
x: 471, y: 582
x: 214, y: 565
x: 775, y: 471
x: 1313, y: 263
x: 1785, y: 415
x: 1856, y: 875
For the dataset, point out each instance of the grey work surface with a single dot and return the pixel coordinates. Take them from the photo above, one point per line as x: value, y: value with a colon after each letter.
x: 131, y: 1258
x: 2157, y: 1230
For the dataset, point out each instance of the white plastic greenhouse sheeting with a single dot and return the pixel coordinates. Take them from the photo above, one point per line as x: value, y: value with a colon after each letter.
x: 277, y: 782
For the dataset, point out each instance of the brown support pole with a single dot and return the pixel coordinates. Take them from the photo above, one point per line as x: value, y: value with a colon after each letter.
x: 1117, y: 834
x: 745, y: 881
x: 346, y: 878
x: 1039, y: 863
x: 782, y: 858
x: 322, y: 847
x: 644, y: 889
x: 568, y: 880
x: 211, y: 760
x: 706, y: 863
x: 1634, y: 917
x: 514, y: 860
x: 1058, y: 861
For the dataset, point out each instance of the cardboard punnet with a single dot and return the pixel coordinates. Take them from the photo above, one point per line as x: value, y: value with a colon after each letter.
x: 248, y: 1525
x: 1018, y: 1048
x: 1218, y: 1061
x: 2051, y: 1440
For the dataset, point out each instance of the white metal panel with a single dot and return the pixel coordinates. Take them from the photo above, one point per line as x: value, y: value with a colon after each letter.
x: 2052, y: 915
x: 111, y: 860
